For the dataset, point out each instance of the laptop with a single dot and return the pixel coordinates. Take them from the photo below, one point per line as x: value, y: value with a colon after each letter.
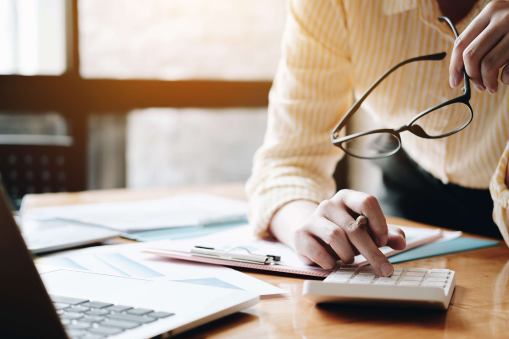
x: 47, y: 302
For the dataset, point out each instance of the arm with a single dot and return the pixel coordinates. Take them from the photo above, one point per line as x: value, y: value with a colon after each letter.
x: 500, y: 194
x: 291, y: 187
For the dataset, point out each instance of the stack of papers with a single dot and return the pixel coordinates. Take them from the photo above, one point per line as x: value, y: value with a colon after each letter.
x: 132, y: 216
x: 128, y: 261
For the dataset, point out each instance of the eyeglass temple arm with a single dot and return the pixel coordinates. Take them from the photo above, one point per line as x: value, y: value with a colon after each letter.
x: 342, y: 123
x: 465, y: 75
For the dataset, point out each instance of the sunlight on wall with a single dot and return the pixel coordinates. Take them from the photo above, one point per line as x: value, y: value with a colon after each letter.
x: 168, y: 146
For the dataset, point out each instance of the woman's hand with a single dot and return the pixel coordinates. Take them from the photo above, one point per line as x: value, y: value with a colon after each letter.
x: 483, y: 48
x: 331, y: 233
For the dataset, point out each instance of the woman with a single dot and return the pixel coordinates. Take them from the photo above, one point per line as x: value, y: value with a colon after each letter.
x: 333, y: 47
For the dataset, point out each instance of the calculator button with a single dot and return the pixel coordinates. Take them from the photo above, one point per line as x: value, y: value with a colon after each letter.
x: 366, y: 282
x: 362, y: 274
x: 439, y: 275
x: 407, y: 278
x: 366, y: 270
x: 434, y: 284
x: 397, y: 273
x: 410, y: 283
x: 364, y: 278
x: 415, y: 274
x: 347, y: 269
x: 440, y: 270
x: 343, y: 275
x: 417, y: 270
x: 398, y: 269
x: 436, y: 279
x: 336, y: 278
x: 385, y: 282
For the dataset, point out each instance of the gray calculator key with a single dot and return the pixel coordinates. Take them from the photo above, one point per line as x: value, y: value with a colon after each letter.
x: 160, y: 314
x: 139, y: 311
x: 79, y: 326
x: 75, y: 333
x: 118, y: 308
x: 97, y: 312
x: 66, y: 300
x: 130, y: 317
x: 96, y: 304
x: 65, y: 321
x: 77, y: 309
x: 126, y: 325
x: 105, y: 330
x: 71, y: 316
x: 92, y: 336
x: 61, y: 306
x: 92, y: 319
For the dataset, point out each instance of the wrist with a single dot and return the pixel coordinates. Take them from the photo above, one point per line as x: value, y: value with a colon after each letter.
x: 289, y: 218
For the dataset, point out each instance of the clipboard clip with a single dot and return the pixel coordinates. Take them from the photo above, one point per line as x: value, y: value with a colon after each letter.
x: 211, y: 252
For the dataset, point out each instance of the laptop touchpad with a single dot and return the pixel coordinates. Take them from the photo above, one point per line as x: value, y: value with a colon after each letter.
x: 89, y: 285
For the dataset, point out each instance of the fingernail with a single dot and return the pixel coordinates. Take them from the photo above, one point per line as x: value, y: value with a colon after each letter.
x: 490, y: 91
x: 387, y: 270
x: 451, y: 82
x: 479, y: 88
x: 382, y: 241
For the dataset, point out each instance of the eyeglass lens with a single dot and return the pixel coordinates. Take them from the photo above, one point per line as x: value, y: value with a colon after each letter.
x: 372, y: 145
x: 445, y: 120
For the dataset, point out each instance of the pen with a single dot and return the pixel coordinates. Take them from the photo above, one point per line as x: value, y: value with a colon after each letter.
x: 212, y: 252
x: 361, y: 220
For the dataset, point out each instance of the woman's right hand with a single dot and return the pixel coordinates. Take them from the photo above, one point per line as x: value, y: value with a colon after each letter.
x: 331, y: 233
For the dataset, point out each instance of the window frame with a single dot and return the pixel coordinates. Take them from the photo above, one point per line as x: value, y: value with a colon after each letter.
x: 76, y: 98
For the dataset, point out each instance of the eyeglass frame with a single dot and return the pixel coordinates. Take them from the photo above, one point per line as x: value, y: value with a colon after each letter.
x: 414, y: 129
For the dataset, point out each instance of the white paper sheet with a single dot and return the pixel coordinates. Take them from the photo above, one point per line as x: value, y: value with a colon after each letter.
x: 128, y: 260
x: 185, y: 210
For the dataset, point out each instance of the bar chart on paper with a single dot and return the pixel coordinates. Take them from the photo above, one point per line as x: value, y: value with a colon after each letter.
x: 105, y: 263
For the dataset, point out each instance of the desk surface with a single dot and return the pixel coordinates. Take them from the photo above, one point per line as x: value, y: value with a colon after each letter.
x: 479, y: 307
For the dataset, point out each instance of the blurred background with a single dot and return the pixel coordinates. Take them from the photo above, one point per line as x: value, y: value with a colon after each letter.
x: 101, y: 94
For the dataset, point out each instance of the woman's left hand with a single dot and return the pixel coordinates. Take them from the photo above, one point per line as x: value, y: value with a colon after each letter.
x: 483, y: 48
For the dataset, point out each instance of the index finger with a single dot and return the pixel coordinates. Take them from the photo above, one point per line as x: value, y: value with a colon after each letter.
x: 359, y: 237
x: 462, y: 41
x: 366, y: 204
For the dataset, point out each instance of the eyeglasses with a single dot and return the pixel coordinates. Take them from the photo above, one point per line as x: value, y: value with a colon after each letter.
x: 437, y: 122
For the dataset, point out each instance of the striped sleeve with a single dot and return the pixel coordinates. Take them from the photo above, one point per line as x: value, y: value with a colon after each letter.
x: 310, y: 93
x: 500, y: 195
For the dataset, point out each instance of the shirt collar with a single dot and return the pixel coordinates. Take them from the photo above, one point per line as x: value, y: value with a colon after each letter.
x: 428, y: 12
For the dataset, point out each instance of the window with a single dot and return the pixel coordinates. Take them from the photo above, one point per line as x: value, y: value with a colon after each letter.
x: 180, y: 39
x: 32, y: 37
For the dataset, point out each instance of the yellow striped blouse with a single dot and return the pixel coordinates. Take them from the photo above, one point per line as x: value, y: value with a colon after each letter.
x: 331, y: 48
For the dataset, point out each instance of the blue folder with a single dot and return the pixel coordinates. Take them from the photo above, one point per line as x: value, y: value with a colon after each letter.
x: 440, y: 248
x: 176, y: 233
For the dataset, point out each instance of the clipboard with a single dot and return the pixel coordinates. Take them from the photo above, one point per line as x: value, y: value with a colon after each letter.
x: 181, y: 250
x: 181, y: 255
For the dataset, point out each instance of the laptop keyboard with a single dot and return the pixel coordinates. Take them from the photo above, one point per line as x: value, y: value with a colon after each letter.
x: 95, y: 320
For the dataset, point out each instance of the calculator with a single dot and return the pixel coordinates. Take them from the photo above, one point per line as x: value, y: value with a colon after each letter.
x: 407, y: 287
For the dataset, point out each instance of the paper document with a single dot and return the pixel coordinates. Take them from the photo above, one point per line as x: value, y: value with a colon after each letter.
x: 185, y: 210
x: 128, y: 261
x: 242, y: 237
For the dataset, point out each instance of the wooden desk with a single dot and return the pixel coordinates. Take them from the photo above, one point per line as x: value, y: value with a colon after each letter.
x: 479, y: 307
